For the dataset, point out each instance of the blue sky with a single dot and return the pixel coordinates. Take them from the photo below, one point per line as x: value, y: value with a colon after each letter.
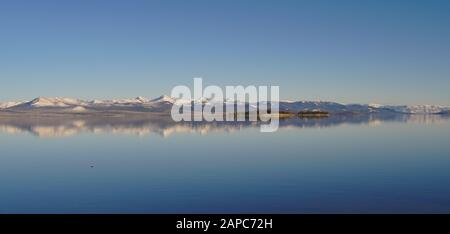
x: 347, y: 51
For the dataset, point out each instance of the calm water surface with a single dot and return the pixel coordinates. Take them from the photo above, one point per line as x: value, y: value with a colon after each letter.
x: 396, y: 164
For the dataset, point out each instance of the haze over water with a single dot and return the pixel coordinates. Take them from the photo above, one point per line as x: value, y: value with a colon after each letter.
x: 396, y: 164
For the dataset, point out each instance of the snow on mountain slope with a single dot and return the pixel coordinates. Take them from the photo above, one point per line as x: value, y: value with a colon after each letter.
x: 54, y: 102
x: 141, y: 99
x: 5, y: 105
x: 164, y: 103
x: 426, y: 109
x: 374, y: 105
x: 163, y: 98
x: 311, y: 105
x: 128, y: 102
x: 417, y: 109
x: 137, y: 100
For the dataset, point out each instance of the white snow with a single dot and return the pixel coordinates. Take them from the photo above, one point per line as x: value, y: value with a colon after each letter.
x: 163, y: 98
x: 416, y: 109
x: 82, y: 105
x: 374, y: 105
x: 4, y: 105
x: 55, y: 102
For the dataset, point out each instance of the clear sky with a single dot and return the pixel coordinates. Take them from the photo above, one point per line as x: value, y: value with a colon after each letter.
x: 391, y: 52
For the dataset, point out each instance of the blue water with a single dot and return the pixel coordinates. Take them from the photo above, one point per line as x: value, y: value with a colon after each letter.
x: 369, y: 166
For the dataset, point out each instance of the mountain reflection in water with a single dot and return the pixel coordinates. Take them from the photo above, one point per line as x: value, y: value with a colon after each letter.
x: 64, y: 126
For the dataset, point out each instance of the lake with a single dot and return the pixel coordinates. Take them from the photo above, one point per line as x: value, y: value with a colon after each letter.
x: 343, y: 164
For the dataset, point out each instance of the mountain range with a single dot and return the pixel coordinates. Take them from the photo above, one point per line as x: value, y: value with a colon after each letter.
x: 164, y: 104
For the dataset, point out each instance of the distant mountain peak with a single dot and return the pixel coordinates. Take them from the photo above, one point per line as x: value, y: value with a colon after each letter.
x: 46, y: 102
x: 141, y: 99
x: 164, y: 98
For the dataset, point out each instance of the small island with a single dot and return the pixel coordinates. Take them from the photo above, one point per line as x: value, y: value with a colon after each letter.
x: 313, y: 114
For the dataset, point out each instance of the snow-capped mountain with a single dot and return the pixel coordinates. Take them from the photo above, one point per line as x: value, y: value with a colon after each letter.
x: 4, y: 105
x: 78, y: 105
x: 291, y: 106
x: 164, y: 103
x: 416, y: 109
x: 163, y: 98
x: 54, y: 102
